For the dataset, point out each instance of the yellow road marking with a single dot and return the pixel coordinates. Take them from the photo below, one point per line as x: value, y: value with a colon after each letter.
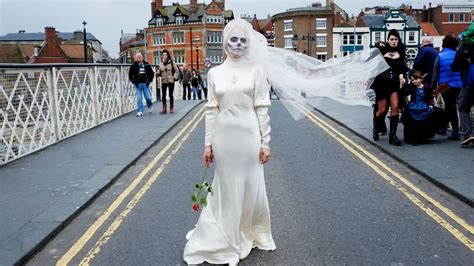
x: 409, y: 184
x: 80, y: 243
x: 339, y: 137
x: 118, y: 221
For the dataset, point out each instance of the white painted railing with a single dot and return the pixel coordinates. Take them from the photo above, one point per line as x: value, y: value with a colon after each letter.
x: 43, y: 104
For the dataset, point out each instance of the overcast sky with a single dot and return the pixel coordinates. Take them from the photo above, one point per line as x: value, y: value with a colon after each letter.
x: 106, y: 18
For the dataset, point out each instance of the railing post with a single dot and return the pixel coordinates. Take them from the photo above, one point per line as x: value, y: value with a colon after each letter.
x: 54, y: 101
x: 94, y: 94
x: 120, y: 90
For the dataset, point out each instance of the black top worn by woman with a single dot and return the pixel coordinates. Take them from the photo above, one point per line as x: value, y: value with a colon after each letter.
x: 388, y: 81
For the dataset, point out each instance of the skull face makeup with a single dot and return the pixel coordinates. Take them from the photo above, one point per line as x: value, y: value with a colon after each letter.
x: 237, y: 43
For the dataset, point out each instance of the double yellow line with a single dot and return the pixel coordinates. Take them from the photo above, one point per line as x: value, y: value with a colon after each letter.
x: 396, y: 179
x: 91, y: 231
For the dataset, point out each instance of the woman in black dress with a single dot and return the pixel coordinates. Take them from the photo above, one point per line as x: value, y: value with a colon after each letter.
x: 387, y: 84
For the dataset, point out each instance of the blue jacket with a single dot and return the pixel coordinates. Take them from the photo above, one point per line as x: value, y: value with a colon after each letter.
x: 446, y: 58
x: 424, y: 61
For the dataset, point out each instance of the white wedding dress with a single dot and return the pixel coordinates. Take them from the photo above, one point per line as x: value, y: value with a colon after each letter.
x: 237, y: 217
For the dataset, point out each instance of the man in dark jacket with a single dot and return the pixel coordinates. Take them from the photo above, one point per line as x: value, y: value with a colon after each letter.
x: 186, y: 82
x: 141, y: 74
x: 425, y: 59
x: 464, y: 62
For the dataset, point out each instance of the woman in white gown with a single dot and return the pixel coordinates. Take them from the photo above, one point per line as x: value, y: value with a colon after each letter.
x: 237, y: 217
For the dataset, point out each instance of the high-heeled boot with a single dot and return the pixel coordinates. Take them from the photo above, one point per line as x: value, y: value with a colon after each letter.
x: 375, y: 132
x: 392, y: 138
x: 163, y: 111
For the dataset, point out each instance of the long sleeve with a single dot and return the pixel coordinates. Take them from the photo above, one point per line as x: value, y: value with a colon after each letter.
x: 434, y: 79
x: 261, y: 104
x: 212, y: 110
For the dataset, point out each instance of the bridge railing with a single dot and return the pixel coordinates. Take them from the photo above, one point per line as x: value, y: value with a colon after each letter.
x: 42, y: 104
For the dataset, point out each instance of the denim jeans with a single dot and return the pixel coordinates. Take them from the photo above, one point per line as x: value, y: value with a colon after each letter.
x: 195, y: 91
x: 143, y: 88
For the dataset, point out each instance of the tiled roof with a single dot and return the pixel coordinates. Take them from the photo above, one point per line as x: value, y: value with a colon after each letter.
x: 378, y: 21
x: 428, y: 28
x: 27, y: 36
x: 73, y: 50
x: 27, y: 49
x: 374, y: 21
x: 10, y: 53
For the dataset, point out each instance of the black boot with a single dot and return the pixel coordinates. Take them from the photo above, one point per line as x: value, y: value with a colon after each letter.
x: 392, y: 138
x: 375, y: 132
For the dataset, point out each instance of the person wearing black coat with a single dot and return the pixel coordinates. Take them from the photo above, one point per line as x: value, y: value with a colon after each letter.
x: 141, y: 75
x: 387, y: 84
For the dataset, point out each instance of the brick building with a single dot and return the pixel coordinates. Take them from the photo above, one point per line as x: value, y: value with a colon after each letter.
x: 25, y: 43
x: 50, y: 50
x: 189, y: 32
x: 130, y: 44
x: 309, y: 29
x: 448, y: 18
x: 264, y: 26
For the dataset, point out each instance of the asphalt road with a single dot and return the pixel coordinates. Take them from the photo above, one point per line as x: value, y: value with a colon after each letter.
x: 330, y: 204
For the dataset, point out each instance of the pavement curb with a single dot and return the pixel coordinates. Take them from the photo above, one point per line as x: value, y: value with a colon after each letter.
x: 112, y: 171
x: 439, y: 184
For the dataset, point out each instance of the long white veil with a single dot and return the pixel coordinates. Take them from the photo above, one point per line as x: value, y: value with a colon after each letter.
x: 298, y: 78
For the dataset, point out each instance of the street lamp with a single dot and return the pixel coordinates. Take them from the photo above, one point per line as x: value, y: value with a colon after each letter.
x: 196, y: 42
x: 308, y: 40
x: 85, y: 41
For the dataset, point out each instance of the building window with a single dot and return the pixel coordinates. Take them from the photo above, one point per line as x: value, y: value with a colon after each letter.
x: 159, y: 22
x: 320, y: 23
x: 156, y: 57
x: 349, y: 39
x: 377, y: 37
x: 178, y: 37
x: 179, y: 20
x: 214, y: 19
x: 321, y: 40
x: 288, y: 41
x: 359, y: 39
x: 178, y: 56
x: 461, y: 17
x: 214, y: 36
x: 451, y: 17
x: 346, y: 53
x: 288, y: 25
x: 158, y: 39
x: 215, y: 56
x: 321, y: 56
x: 411, y: 36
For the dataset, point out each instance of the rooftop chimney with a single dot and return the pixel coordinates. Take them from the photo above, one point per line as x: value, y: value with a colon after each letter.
x: 193, y: 6
x: 50, y: 32
x: 317, y: 4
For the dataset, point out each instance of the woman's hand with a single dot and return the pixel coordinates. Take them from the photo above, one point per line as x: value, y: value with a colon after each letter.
x: 208, y: 157
x: 402, y: 80
x: 265, y: 155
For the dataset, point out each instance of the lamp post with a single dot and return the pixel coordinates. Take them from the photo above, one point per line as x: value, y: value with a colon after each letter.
x: 308, y: 40
x: 196, y: 42
x: 85, y: 41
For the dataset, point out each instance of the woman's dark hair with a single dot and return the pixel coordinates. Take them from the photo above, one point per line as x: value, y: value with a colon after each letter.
x: 169, y: 55
x: 416, y: 74
x: 400, y: 47
x: 449, y: 41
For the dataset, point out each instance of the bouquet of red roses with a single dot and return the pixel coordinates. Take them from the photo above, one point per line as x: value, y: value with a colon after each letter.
x: 199, y: 196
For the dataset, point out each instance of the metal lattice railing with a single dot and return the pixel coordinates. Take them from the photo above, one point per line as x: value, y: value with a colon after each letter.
x: 43, y: 104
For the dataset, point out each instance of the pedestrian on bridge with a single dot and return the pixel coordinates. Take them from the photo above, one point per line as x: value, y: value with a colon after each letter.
x: 464, y: 62
x: 387, y: 85
x: 141, y: 75
x: 169, y: 73
x: 237, y: 216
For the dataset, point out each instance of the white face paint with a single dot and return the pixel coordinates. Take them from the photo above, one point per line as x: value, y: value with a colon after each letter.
x: 237, y: 43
